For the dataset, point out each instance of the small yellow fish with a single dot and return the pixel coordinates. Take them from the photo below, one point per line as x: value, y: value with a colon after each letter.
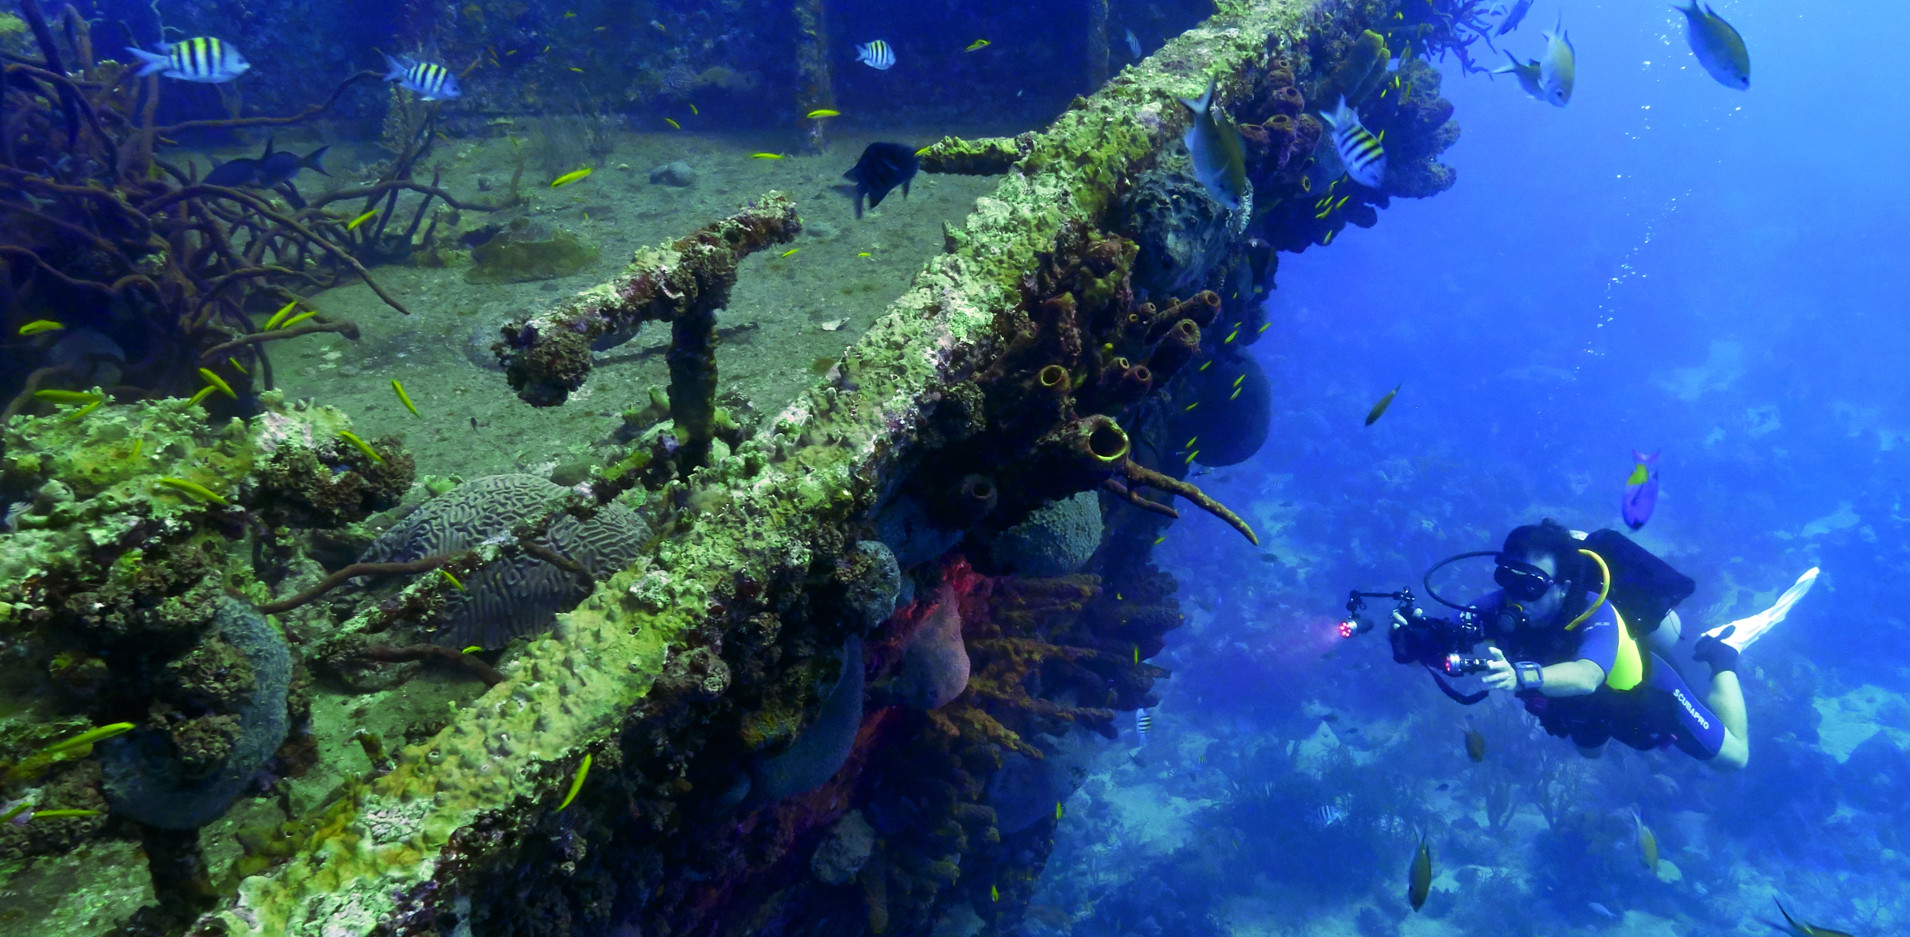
x: 1329, y: 237
x: 203, y: 393
x: 1205, y: 365
x: 994, y: 893
x: 52, y: 814
x: 673, y: 124
x: 361, y: 219
x: 217, y: 381
x: 1419, y: 877
x: 765, y: 156
x: 693, y: 111
x: 865, y: 254
x: 1157, y: 540
x: 1057, y: 810
x: 1137, y: 648
x: 67, y: 396
x: 192, y: 488
x: 136, y: 444
x: 1647, y: 843
x: 403, y: 397
x: 236, y: 366
x: 1379, y: 409
x: 100, y: 734
x: 570, y: 177
x: 473, y: 649
x: 570, y: 14
x: 1190, y: 406
x: 576, y: 783
x: 822, y: 113
x: 363, y: 446
x: 301, y: 317
x: 1191, y: 456
x: 452, y: 580
x: 977, y: 44
x: 791, y: 251
x: 40, y: 325
x: 83, y: 411
x: 576, y: 69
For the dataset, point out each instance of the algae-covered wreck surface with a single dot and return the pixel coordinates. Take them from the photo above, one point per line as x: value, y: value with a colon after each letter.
x: 824, y: 666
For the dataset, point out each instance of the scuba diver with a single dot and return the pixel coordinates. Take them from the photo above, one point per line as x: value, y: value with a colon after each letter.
x: 1581, y: 630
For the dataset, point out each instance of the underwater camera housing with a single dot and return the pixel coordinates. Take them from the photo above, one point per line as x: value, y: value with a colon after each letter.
x: 1419, y: 638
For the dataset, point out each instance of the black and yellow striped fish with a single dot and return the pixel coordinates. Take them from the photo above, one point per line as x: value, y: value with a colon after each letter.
x: 206, y: 59
x: 876, y: 55
x: 431, y: 81
x: 1359, y: 150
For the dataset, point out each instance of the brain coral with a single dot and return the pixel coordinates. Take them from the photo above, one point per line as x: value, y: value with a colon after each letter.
x: 522, y: 594
x: 1053, y: 540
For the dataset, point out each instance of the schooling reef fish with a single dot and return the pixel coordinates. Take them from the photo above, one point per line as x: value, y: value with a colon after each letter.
x: 876, y: 55
x: 1359, y: 150
x: 1514, y: 16
x: 1475, y: 744
x: 1527, y: 72
x: 1718, y: 47
x: 1219, y: 159
x: 1800, y: 929
x: 431, y: 81
x: 1647, y: 843
x: 269, y: 169
x: 1379, y: 409
x: 207, y: 59
x: 1641, y: 490
x: 1133, y: 44
x: 883, y: 166
x: 1419, y: 877
x: 1556, y: 70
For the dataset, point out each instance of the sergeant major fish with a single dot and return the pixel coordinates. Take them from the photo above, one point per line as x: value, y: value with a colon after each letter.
x: 1220, y: 162
x: 1360, y: 151
x: 1556, y: 69
x: 876, y: 55
x: 1718, y: 47
x: 207, y: 59
x: 431, y: 81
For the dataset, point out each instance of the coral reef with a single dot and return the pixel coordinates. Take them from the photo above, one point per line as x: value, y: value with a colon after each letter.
x: 1017, y: 369
x: 522, y: 595
x: 157, y: 778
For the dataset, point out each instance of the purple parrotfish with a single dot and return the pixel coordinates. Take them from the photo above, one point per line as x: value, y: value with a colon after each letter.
x: 1641, y: 490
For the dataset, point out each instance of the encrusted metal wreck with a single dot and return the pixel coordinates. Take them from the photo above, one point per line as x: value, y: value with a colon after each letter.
x: 687, y: 751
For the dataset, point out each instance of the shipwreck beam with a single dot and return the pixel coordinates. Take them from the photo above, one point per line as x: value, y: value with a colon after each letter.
x: 622, y: 678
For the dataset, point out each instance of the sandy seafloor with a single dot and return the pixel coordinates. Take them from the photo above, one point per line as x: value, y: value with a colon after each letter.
x: 786, y: 314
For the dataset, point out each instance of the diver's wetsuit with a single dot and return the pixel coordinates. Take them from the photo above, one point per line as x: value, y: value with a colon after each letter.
x: 1661, y: 710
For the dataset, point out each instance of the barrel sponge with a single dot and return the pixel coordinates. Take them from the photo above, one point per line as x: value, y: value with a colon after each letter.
x: 872, y: 582
x: 1026, y: 789
x: 146, y: 781
x: 842, y: 855
x: 1055, y: 539
x: 819, y: 752
x: 521, y: 594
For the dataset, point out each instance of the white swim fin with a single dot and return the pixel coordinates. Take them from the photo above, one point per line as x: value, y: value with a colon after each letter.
x: 1752, y: 628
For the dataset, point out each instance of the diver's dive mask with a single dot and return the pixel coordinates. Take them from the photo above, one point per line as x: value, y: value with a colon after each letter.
x: 1519, y: 579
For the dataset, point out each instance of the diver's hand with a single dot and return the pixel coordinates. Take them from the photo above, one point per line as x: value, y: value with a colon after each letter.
x: 1501, y: 676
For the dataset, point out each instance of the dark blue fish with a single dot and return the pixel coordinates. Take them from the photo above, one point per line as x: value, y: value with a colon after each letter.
x: 1641, y: 490
x: 883, y: 166
x: 1514, y: 16
x: 269, y: 169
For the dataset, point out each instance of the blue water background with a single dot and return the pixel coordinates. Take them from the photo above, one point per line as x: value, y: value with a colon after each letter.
x: 1666, y: 264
